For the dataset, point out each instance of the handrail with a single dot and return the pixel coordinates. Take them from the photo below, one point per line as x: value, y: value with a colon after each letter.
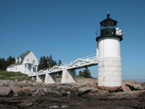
x: 71, y: 64
x: 86, y: 57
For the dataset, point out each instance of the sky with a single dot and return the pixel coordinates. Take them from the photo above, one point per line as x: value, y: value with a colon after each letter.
x: 66, y: 29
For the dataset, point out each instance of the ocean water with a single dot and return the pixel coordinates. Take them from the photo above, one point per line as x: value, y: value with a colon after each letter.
x: 141, y: 80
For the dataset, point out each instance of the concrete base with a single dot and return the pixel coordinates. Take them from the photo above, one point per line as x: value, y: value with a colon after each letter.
x: 34, y: 78
x: 68, y: 76
x: 50, y: 78
x: 109, y: 72
x: 38, y: 79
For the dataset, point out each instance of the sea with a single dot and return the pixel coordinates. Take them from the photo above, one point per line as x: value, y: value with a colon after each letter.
x: 141, y: 80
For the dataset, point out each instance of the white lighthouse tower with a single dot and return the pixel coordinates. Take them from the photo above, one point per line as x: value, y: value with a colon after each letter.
x: 108, y: 54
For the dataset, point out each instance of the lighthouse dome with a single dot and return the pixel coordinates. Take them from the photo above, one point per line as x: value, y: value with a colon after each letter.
x: 108, y: 28
x: 108, y: 22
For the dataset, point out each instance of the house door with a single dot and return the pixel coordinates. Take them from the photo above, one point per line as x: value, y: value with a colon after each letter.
x: 34, y: 69
x: 29, y: 67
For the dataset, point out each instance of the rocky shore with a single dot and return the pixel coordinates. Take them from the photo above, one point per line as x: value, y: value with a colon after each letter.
x: 82, y: 95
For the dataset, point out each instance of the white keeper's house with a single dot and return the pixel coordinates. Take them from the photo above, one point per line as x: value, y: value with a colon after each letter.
x: 26, y: 63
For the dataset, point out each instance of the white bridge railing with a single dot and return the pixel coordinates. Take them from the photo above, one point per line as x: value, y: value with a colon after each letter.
x: 76, y: 64
x: 86, y: 57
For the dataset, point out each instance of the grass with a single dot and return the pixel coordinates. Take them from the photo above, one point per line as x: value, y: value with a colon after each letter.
x: 4, y: 75
x: 59, y: 76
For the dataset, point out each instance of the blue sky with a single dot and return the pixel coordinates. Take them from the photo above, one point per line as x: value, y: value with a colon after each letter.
x: 66, y: 29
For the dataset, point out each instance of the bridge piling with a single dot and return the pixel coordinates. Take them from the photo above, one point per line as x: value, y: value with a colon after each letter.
x: 50, y: 78
x: 34, y: 78
x: 38, y: 79
x: 68, y: 76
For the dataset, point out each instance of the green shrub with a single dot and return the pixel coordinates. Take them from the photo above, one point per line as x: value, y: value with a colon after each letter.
x: 59, y: 76
x: 84, y: 77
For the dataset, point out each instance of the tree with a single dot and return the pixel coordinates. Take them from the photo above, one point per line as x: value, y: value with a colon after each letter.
x: 86, y: 73
x: 3, y: 64
x: 80, y: 73
x: 42, y: 63
x: 46, y: 62
x: 59, y: 63
x: 10, y: 60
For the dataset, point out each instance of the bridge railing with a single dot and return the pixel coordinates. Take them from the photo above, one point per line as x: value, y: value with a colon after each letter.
x: 90, y: 57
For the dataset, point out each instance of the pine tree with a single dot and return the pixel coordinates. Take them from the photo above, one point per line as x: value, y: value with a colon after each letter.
x: 80, y: 73
x: 59, y: 63
x: 46, y: 62
x: 85, y: 73
x: 3, y: 64
x: 10, y: 60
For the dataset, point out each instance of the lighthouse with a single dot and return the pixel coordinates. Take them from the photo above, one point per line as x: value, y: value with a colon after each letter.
x: 109, y: 54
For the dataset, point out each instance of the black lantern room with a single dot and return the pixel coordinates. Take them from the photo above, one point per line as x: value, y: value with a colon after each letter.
x: 108, y: 28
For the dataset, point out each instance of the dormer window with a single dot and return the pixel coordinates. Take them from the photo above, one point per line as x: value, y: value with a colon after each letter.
x: 33, y: 61
x: 20, y: 59
x: 16, y: 60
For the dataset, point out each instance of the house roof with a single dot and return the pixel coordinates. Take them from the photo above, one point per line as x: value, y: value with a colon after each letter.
x: 10, y: 66
x: 22, y: 56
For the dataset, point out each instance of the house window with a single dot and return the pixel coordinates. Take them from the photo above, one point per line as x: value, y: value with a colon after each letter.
x: 33, y: 61
x: 27, y: 59
x: 25, y: 66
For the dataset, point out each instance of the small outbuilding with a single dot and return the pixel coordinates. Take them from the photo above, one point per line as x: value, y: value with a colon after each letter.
x: 26, y: 63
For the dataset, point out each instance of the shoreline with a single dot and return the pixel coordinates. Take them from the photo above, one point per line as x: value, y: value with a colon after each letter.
x: 81, y: 95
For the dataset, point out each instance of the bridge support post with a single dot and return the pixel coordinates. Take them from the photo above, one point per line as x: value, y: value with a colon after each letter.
x: 34, y: 78
x: 50, y: 78
x: 38, y: 79
x: 68, y: 76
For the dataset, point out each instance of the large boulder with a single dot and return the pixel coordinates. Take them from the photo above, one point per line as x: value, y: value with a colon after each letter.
x: 6, y: 91
x: 25, y: 104
x: 16, y: 90
x: 25, y: 92
x: 31, y: 89
x: 39, y: 92
x: 94, y: 90
x: 97, y: 94
x: 83, y: 90
x: 143, y: 83
x: 125, y: 88
x: 135, y: 86
x: 61, y: 88
x: 110, y: 89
